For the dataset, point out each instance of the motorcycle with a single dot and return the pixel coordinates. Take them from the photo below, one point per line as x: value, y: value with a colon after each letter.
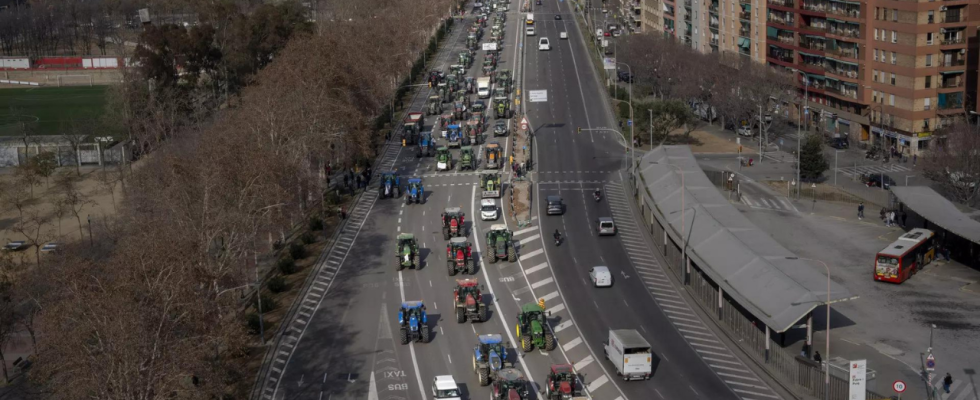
x: 597, y: 195
x: 557, y: 240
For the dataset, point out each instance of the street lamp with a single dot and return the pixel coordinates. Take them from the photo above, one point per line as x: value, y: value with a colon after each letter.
x: 826, y: 354
x: 836, y: 152
x: 799, y: 135
x: 632, y: 138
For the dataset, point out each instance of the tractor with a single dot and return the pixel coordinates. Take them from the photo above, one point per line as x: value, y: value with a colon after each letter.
x: 490, y: 183
x: 434, y: 106
x: 435, y: 77
x: 469, y: 84
x: 469, y: 301
x: 445, y: 93
x: 490, y: 358
x: 471, y: 42
x: 414, y: 122
x: 453, y: 221
x: 407, y: 251
x: 459, y: 257
x: 478, y: 107
x: 500, y: 244
x: 502, y: 106
x: 444, y: 159
x: 465, y: 60
x: 454, y: 136
x: 445, y: 120
x: 474, y: 130
x: 533, y: 329
x: 413, y: 322
x: 426, y: 147
x: 461, y: 97
x: 563, y: 384
x: 466, y: 158
x: 503, y: 80
x: 510, y: 385
x: 388, y: 185
x: 452, y: 81
x: 459, y: 111
x: 493, y: 154
x: 500, y: 128
x: 415, y: 191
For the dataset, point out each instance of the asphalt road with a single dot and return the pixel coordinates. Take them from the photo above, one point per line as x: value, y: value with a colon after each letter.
x: 343, y: 341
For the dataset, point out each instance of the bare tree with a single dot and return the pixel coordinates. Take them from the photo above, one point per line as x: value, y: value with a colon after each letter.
x: 27, y: 175
x: 17, y: 196
x: 34, y: 228
x: 953, y: 162
x: 71, y: 198
x: 107, y: 182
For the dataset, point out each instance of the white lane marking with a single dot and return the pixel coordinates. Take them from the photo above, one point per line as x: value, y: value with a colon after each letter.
x: 582, y: 364
x: 531, y: 254
x: 715, y: 353
x: 572, y: 343
x: 542, y: 282
x: 701, y: 327
x: 556, y: 308
x: 525, y: 230
x: 707, y: 346
x: 550, y: 296
x: 529, y: 239
x: 562, y: 326
x: 694, y: 332
x: 755, y: 393
x: 722, y: 361
x: 736, y: 376
x: 536, y: 268
x: 683, y: 319
x: 700, y: 338
x: 598, y: 383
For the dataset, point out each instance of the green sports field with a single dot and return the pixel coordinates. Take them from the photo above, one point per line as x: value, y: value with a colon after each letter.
x: 49, y: 109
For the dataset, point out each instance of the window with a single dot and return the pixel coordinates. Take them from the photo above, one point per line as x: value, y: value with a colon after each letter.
x: 894, y: 58
x: 928, y: 60
x: 928, y: 81
x: 894, y: 37
x: 928, y: 103
x: 876, y: 33
x: 874, y: 95
x: 932, y: 16
x: 882, y: 77
x: 929, y: 38
x: 874, y: 72
x: 894, y: 15
x: 891, y: 100
x: 893, y: 79
x: 876, y: 54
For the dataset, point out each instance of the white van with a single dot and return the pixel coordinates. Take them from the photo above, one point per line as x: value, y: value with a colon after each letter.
x: 601, y: 277
x: 544, y: 44
x: 530, y: 19
x: 489, y: 210
x: 529, y: 31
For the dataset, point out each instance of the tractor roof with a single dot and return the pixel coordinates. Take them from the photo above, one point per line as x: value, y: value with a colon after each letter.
x: 414, y: 180
x: 531, y: 307
x: 562, y: 369
x: 412, y: 304
x: 426, y: 133
x: 495, y: 338
x: 480, y: 102
x: 510, y: 375
x: 468, y: 282
x: 406, y: 236
x: 434, y: 97
x: 498, y: 227
x: 458, y: 240
x: 454, y: 126
x: 466, y: 148
x: 453, y: 210
x: 443, y: 148
x: 389, y: 173
x: 492, y: 145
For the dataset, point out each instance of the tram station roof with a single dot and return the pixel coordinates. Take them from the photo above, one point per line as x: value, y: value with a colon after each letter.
x: 934, y: 207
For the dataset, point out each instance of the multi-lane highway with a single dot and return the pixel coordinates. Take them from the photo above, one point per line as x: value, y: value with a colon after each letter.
x: 343, y: 340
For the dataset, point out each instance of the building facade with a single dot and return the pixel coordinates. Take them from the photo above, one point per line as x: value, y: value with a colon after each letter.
x: 733, y: 26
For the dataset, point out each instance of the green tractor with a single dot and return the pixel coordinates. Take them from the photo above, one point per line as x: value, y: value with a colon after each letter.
x: 445, y: 93
x: 465, y: 59
x: 500, y: 244
x: 490, y: 183
x: 444, y: 159
x: 434, y: 106
x: 466, y: 158
x: 533, y: 329
x: 502, y: 106
x: 471, y: 42
x: 459, y: 257
x: 504, y: 80
x: 407, y: 251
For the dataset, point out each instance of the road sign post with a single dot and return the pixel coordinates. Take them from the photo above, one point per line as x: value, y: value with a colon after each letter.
x: 524, y: 123
x: 930, y: 363
x: 899, y: 387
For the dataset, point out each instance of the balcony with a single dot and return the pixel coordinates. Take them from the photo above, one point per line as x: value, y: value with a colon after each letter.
x: 813, y: 44
x: 777, y: 19
x: 846, y: 52
x: 845, y: 72
x: 845, y: 31
x: 788, y: 39
x: 687, y: 3
x: 745, y: 15
x: 849, y: 12
x: 953, y: 18
x: 784, y: 3
x: 815, y: 6
x: 843, y: 90
x: 819, y: 26
x: 713, y: 9
x: 781, y: 56
x: 952, y: 40
x: 745, y: 32
x: 958, y: 62
x: 952, y: 83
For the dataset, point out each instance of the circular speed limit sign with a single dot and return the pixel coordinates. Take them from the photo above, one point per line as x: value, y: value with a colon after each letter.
x: 899, y: 386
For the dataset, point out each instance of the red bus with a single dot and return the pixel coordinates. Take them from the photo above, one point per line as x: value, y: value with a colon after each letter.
x: 906, y: 256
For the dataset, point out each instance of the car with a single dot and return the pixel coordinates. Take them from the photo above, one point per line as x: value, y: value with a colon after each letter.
x: 557, y: 16
x: 601, y: 277
x: 529, y: 31
x: 604, y: 11
x: 877, y: 180
x: 625, y: 76
x: 744, y: 130
x: 606, y: 34
x: 839, y: 143
x: 444, y: 388
x: 563, y: 35
x: 605, y: 226
x: 489, y: 210
x: 555, y: 205
x: 544, y: 44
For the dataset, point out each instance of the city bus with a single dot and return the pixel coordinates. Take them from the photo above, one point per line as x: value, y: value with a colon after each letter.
x: 906, y: 256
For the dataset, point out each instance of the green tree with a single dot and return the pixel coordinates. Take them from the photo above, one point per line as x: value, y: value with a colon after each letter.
x: 668, y: 116
x: 812, y: 161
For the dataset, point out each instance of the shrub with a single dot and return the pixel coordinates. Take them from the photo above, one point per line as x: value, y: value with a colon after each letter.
x: 316, y: 224
x: 268, y: 303
x: 297, y: 251
x: 277, y: 245
x: 252, y: 321
x: 287, y: 266
x: 277, y: 284
x: 307, y: 238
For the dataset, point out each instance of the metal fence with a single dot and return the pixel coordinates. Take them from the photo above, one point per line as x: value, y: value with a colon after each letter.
x: 799, y: 375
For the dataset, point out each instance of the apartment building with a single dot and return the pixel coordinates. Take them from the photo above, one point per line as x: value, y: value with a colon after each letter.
x: 884, y: 72
x: 734, y: 26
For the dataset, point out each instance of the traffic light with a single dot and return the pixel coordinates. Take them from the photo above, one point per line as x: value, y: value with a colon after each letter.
x: 580, y: 129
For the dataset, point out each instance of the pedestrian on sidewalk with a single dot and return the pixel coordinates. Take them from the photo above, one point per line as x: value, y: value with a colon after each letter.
x: 904, y: 217
x: 881, y: 214
x: 816, y: 357
x: 861, y: 210
x: 915, y: 157
x: 891, y: 217
x: 947, y: 382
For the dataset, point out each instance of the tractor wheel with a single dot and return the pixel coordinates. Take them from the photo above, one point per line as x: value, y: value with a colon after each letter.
x: 425, y: 334
x: 489, y: 258
x: 526, y: 344
x: 484, y: 375
x: 451, y: 267
x: 404, y: 335
x: 481, y: 313
x: 470, y: 267
x: 445, y: 233
x: 474, y: 363
x: 511, y: 253
x: 460, y: 314
x: 549, y: 341
x: 418, y: 261
x: 400, y: 265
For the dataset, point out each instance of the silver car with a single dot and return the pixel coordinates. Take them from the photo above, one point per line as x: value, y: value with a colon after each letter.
x: 605, y: 226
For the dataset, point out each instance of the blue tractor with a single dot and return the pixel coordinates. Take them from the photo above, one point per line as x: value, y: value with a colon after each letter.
x: 454, y: 136
x: 413, y: 322
x: 427, y: 148
x: 489, y: 358
x: 389, y: 186
x: 415, y: 191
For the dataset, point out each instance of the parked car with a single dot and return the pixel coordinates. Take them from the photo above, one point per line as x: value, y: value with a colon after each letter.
x: 877, y: 180
x: 625, y: 77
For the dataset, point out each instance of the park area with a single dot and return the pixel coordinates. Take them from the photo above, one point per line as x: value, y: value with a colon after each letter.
x: 49, y: 109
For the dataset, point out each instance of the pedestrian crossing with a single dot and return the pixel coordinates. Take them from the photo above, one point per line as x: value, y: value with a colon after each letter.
x: 759, y: 201
x: 859, y: 170
x: 705, y: 343
x: 959, y: 390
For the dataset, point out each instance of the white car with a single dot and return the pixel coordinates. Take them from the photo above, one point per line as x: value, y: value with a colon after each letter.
x: 489, y: 210
x: 444, y: 388
x: 563, y: 35
x: 601, y: 277
x: 529, y: 31
x: 544, y: 44
x: 744, y: 130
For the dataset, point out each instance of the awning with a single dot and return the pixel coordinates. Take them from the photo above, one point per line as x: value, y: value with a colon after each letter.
x: 811, y: 55
x: 842, y: 61
x: 951, y: 72
x: 743, y: 42
x: 939, y: 211
x: 772, y: 32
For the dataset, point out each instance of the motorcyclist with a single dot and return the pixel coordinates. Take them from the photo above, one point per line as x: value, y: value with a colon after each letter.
x: 557, y: 235
x: 597, y: 193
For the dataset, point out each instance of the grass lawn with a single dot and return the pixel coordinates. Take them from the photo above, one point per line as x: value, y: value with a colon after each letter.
x: 50, y: 108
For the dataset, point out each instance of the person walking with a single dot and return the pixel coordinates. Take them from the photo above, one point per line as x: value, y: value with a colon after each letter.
x: 947, y: 382
x: 816, y: 357
x: 891, y: 217
x: 861, y: 210
x: 905, y: 217
x: 915, y: 157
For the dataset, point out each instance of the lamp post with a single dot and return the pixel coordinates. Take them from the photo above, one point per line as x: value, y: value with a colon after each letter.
x: 799, y: 135
x: 837, y: 152
x: 651, y: 127
x: 632, y: 138
x: 826, y: 355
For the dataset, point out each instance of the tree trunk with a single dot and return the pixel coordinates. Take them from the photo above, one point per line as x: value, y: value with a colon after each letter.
x: 81, y: 233
x: 3, y: 360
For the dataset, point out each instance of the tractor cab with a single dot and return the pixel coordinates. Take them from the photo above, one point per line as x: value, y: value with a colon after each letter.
x: 407, y: 251
x: 444, y: 159
x: 469, y: 301
x: 426, y: 145
x: 469, y: 84
x: 453, y: 221
x: 466, y: 158
x: 510, y: 385
x: 502, y: 107
x: 563, y: 383
x: 500, y: 244
x: 503, y: 80
x: 412, y: 127
x: 433, y: 106
x: 459, y: 70
x: 454, y: 135
x: 459, y: 110
x: 413, y: 321
x: 445, y: 93
x: 435, y: 77
x: 490, y: 183
x: 478, y: 106
x: 459, y: 256
x: 388, y: 185
x: 492, y: 345
x: 492, y: 154
x: 464, y: 59
x: 533, y: 329
x: 416, y: 192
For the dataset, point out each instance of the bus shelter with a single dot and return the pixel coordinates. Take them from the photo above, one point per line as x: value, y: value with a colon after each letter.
x: 954, y: 230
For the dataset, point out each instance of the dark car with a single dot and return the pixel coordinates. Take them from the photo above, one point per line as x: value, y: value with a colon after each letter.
x: 839, y: 143
x: 555, y: 205
x: 625, y: 76
x: 876, y: 180
x: 557, y: 16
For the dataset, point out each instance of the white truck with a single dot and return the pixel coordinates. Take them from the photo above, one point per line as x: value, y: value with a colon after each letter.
x: 629, y: 353
x: 483, y: 87
x: 444, y: 388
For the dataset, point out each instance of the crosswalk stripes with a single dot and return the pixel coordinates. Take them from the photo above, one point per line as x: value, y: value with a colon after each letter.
x: 957, y: 391
x: 769, y: 203
x: 687, y: 323
x: 873, y: 169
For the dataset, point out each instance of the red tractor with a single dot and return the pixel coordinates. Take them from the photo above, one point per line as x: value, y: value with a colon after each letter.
x: 469, y: 301
x: 563, y: 383
x: 453, y: 223
x: 459, y: 256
